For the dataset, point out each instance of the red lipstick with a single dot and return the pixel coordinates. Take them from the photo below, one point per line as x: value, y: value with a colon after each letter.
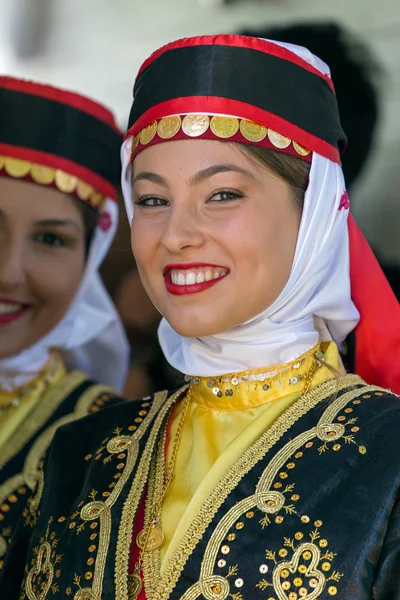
x: 195, y: 288
x: 9, y: 317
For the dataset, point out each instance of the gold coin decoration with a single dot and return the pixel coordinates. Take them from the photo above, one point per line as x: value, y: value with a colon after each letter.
x: 17, y: 168
x: 278, y: 140
x: 253, y: 132
x: 42, y: 174
x: 169, y: 127
x: 84, y: 190
x: 224, y: 127
x: 150, y: 540
x: 135, y: 142
x: 195, y: 125
x: 148, y: 133
x: 135, y: 586
x: 96, y: 199
x: 300, y: 149
x: 65, y: 182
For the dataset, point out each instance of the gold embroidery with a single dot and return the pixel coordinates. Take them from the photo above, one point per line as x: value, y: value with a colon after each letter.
x: 102, y: 509
x: 266, y: 500
x: 133, y: 498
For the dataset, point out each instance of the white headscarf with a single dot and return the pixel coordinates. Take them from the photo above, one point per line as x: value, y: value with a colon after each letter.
x: 315, y: 302
x: 90, y: 336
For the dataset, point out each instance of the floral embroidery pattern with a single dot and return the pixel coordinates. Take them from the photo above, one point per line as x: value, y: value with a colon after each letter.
x: 344, y: 201
x: 305, y: 570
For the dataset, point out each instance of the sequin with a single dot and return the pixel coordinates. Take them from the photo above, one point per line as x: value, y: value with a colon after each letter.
x: 326, y: 566
x: 265, y: 387
x: 298, y: 581
x: 323, y: 543
x: 332, y: 591
x: 221, y: 563
x: 286, y: 585
x: 225, y: 549
x: 313, y: 583
x: 239, y: 525
x: 283, y: 552
x: 231, y: 537
x: 362, y: 450
x: 298, y: 535
x: 284, y: 573
x: 239, y: 582
x: 264, y: 569
x: 318, y: 523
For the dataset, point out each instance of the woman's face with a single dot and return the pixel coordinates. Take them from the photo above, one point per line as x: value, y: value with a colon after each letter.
x: 214, y: 234
x: 42, y: 255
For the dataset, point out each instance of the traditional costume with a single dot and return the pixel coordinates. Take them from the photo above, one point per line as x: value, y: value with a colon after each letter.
x: 286, y: 475
x: 54, y: 138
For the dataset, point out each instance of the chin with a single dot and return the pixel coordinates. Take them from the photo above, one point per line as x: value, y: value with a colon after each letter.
x: 194, y: 327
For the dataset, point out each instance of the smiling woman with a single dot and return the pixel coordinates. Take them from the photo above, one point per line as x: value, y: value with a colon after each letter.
x: 272, y: 474
x: 58, y: 327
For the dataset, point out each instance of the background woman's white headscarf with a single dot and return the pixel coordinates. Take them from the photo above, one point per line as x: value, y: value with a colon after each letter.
x: 90, y: 336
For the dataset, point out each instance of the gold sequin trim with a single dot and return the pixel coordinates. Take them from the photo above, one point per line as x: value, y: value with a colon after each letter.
x: 223, y: 127
x: 247, y: 461
x: 64, y: 182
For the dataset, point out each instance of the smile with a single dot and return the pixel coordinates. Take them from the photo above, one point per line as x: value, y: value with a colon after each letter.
x: 192, y: 278
x: 11, y: 311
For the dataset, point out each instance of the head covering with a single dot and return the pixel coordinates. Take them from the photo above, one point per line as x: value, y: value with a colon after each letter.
x: 60, y: 139
x: 279, y: 96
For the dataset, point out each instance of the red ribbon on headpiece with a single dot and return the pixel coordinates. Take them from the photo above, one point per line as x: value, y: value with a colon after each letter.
x: 378, y: 332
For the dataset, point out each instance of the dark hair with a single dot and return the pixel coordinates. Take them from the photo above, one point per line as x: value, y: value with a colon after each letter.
x: 90, y: 216
x: 295, y: 171
x: 355, y: 73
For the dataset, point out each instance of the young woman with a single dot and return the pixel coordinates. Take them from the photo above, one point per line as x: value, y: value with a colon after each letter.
x: 59, y: 171
x: 272, y: 474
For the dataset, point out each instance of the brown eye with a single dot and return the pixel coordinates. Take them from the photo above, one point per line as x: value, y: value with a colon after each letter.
x: 151, y: 201
x: 225, y: 196
x: 50, y: 239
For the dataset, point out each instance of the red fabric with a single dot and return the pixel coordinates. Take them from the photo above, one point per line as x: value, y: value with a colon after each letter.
x: 378, y: 332
x: 56, y: 162
x: 239, y: 41
x: 63, y: 96
x: 226, y: 106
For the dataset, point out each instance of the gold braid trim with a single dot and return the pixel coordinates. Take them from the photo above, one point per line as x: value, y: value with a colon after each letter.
x: 132, y: 502
x: 64, y: 182
x: 247, y: 461
x: 102, y: 509
x: 270, y: 502
x: 46, y: 407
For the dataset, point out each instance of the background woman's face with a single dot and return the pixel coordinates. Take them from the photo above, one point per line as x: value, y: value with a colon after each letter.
x: 42, y: 256
x: 214, y: 234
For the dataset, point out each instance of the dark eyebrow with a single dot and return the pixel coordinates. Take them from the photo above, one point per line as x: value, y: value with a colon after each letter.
x: 150, y: 176
x: 215, y: 170
x: 59, y: 223
x: 197, y: 177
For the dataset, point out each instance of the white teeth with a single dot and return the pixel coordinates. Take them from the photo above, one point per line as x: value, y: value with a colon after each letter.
x: 199, y: 275
x: 190, y: 278
x: 6, y: 309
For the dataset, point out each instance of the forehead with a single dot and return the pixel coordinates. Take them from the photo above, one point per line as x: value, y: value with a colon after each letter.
x: 188, y: 155
x: 29, y: 200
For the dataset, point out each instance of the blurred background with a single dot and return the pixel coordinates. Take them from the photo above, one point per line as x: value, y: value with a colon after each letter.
x: 96, y: 47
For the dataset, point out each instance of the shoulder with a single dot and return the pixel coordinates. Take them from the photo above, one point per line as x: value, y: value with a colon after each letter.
x: 118, y: 416
x: 374, y: 409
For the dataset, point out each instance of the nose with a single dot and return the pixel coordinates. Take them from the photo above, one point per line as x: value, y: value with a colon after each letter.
x: 182, y: 230
x: 12, y: 264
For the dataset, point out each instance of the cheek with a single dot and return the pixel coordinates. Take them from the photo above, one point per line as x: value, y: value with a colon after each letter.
x: 57, y: 281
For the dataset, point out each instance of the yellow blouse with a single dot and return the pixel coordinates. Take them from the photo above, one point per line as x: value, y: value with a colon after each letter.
x: 19, y: 404
x: 217, y: 430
